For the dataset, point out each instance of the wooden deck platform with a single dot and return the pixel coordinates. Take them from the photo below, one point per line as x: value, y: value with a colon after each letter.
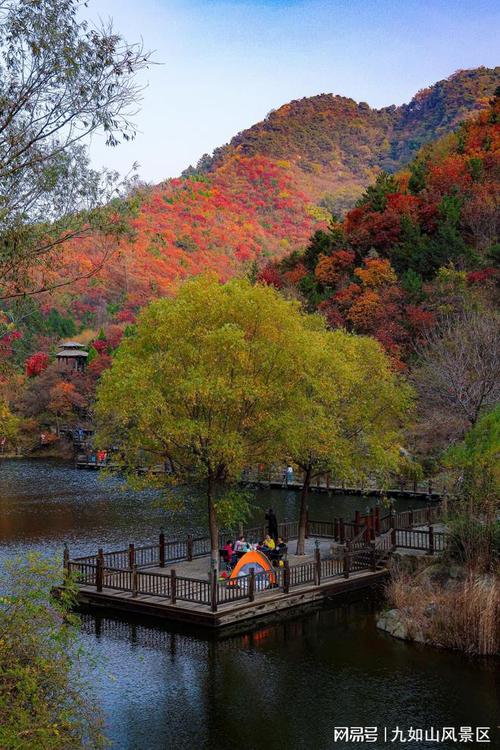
x: 266, y: 605
x: 175, y: 579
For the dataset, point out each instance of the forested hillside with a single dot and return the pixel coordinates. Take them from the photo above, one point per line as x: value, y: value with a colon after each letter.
x: 419, y: 244
x: 335, y: 146
x: 248, y: 207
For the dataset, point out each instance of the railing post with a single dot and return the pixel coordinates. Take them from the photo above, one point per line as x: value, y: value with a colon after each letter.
x: 392, y: 522
x: 131, y: 555
x: 317, y: 559
x: 286, y: 577
x: 347, y: 561
x: 251, y: 585
x: 173, y: 586
x: 431, y: 540
x: 189, y: 547
x: 134, y: 581
x: 99, y: 574
x: 162, y: 549
x: 377, y: 520
x: 410, y: 518
x: 428, y: 514
x: 213, y: 590
x: 341, y: 531
x: 373, y: 558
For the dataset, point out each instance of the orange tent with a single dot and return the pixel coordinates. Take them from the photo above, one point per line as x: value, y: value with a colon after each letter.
x: 256, y: 560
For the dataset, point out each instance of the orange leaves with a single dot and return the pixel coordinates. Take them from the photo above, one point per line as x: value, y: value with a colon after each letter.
x: 296, y: 274
x: 330, y: 268
x: 249, y: 205
x: 377, y: 272
x: 365, y: 310
x: 449, y: 175
x: 64, y: 396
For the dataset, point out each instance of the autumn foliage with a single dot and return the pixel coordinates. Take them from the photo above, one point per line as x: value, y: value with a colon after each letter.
x: 36, y: 364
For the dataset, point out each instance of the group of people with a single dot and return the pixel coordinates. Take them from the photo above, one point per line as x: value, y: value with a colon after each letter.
x: 272, y: 545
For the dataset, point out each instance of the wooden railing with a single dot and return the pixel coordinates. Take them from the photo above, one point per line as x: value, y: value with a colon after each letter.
x: 356, y: 556
x: 275, y: 476
x: 364, y: 527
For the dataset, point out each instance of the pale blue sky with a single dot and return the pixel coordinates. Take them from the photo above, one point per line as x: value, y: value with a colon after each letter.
x: 227, y: 63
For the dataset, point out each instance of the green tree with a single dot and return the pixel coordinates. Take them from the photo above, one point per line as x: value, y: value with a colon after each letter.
x: 476, y: 464
x: 44, y: 700
x: 351, y: 415
x: 9, y: 423
x: 61, y: 80
x: 212, y: 382
x: 375, y: 196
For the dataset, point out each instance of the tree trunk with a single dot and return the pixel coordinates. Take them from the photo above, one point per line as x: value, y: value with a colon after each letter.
x: 212, y: 521
x: 303, y: 511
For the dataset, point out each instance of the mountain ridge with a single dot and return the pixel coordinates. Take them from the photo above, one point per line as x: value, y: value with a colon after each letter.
x: 339, y: 144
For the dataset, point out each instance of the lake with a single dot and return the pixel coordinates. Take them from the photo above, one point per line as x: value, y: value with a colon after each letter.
x: 288, y: 684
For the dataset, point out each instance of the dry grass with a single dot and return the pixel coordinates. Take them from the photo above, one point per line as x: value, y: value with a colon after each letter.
x: 458, y: 614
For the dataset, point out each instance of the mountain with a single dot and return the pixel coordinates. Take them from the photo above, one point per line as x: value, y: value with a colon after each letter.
x: 335, y: 146
x: 259, y: 197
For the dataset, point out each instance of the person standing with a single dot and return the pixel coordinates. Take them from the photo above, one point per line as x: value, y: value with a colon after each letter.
x: 272, y: 524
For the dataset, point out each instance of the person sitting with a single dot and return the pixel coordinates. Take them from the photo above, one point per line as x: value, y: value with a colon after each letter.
x: 281, y: 547
x: 241, y: 544
x: 279, y: 551
x: 240, y: 547
x: 268, y: 545
x: 227, y: 551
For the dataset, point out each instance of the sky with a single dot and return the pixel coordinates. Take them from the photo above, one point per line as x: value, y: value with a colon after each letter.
x: 224, y: 64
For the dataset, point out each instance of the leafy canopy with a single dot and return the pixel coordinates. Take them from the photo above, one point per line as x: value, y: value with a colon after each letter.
x: 212, y: 381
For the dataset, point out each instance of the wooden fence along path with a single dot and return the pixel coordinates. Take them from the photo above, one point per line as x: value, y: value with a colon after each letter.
x: 270, y: 477
x: 363, y: 546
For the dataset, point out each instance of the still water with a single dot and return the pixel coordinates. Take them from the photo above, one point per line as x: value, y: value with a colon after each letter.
x: 284, y: 685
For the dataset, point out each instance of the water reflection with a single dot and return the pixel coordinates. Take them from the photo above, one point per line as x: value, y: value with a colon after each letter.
x: 290, y: 682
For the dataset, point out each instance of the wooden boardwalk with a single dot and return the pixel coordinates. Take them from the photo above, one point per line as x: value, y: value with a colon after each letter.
x: 268, y: 603
x: 405, y: 488
x: 174, y: 579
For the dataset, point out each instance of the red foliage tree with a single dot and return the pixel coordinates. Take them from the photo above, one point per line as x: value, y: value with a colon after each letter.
x: 36, y: 364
